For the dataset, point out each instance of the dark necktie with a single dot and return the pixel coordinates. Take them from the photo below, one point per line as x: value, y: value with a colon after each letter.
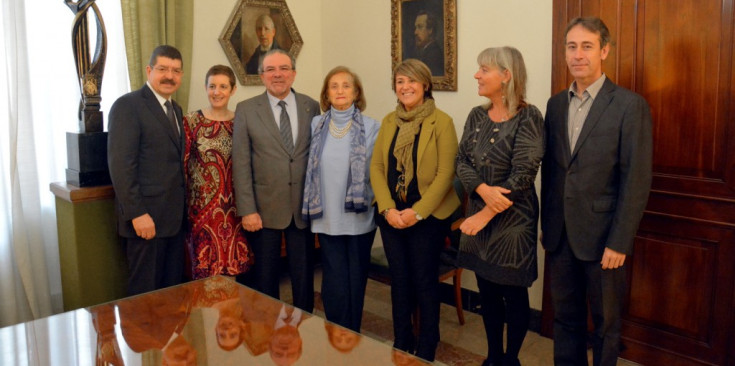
x: 285, y: 127
x: 171, y: 116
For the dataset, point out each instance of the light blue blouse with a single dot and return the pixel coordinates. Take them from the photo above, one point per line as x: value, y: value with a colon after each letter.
x: 335, y: 164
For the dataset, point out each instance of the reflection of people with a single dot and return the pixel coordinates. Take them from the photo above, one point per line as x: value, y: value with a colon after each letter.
x: 338, y: 197
x: 108, y: 349
x: 230, y: 327
x: 269, y: 158
x: 400, y: 358
x: 595, y: 180
x: 285, y: 346
x: 427, y: 49
x: 499, y: 156
x: 154, y: 320
x: 265, y: 31
x: 343, y: 340
x: 259, y: 314
x: 215, y: 239
x: 412, y: 172
x: 179, y: 352
x: 144, y: 155
x: 268, y: 327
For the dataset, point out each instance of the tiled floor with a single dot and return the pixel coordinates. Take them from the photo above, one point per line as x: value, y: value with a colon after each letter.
x: 460, y: 344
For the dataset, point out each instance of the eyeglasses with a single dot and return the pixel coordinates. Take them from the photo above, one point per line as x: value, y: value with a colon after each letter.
x: 165, y: 70
x: 271, y: 69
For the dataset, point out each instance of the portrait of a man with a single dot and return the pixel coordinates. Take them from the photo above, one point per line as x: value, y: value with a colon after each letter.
x: 426, y: 47
x: 265, y: 32
x: 254, y: 28
x: 422, y: 33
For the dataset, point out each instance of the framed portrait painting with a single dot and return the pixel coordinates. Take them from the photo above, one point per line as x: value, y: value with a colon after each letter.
x: 254, y: 28
x: 427, y: 30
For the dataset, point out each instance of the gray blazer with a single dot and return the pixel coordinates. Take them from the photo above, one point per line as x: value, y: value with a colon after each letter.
x: 266, y: 178
x: 597, y: 192
x: 145, y: 159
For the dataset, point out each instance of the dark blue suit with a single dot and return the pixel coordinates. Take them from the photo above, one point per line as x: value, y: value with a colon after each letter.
x: 145, y: 160
x: 593, y: 197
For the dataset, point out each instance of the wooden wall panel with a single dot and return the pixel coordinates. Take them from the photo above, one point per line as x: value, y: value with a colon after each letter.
x: 681, y: 292
x: 680, y: 79
x: 665, y: 298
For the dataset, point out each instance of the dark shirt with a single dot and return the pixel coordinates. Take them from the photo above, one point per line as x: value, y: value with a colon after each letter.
x: 412, y: 194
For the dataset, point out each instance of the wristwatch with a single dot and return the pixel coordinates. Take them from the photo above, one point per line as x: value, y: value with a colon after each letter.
x: 385, y: 212
x: 418, y: 217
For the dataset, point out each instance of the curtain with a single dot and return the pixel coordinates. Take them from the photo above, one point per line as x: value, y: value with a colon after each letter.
x: 39, y: 94
x: 24, y: 285
x: 150, y: 23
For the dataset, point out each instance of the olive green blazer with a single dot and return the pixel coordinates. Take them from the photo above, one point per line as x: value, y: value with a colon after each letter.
x: 434, y: 165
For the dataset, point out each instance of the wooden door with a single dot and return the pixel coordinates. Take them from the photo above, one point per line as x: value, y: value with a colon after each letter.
x: 679, y: 55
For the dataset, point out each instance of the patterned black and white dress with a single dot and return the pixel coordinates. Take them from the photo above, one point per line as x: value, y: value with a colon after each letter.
x: 505, y: 154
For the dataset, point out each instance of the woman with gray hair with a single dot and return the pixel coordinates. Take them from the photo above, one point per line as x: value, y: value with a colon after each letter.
x: 499, y: 155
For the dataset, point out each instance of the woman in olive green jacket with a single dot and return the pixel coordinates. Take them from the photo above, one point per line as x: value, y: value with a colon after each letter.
x: 411, y: 173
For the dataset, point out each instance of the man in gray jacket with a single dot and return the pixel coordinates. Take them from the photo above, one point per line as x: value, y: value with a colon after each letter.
x: 270, y: 144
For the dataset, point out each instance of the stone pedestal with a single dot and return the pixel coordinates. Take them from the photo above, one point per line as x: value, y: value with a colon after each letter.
x: 93, y: 264
x: 86, y: 154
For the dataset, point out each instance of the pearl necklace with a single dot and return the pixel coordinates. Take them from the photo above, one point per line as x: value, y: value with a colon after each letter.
x: 337, y: 132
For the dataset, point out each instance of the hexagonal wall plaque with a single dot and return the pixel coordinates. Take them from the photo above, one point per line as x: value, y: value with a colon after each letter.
x: 254, y: 27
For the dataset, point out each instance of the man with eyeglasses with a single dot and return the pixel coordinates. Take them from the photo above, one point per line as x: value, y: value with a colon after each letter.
x: 144, y: 152
x: 270, y: 145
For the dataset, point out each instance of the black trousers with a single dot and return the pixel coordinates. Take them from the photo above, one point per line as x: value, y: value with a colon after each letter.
x: 573, y: 282
x: 265, y: 274
x: 154, y: 264
x: 345, y: 264
x: 413, y: 260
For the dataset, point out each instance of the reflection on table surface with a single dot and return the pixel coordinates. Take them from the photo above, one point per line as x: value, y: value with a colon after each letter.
x: 214, y: 321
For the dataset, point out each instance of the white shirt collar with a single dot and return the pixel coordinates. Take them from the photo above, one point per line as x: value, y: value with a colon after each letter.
x: 161, y: 100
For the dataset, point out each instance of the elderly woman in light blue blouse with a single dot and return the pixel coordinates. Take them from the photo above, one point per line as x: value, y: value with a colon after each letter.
x: 338, y: 196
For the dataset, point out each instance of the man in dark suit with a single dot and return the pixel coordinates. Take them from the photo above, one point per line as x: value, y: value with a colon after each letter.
x: 270, y: 147
x: 596, y: 176
x: 265, y: 30
x: 145, y: 158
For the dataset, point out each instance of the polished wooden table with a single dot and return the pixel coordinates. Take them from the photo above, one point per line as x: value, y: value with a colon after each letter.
x: 214, y: 321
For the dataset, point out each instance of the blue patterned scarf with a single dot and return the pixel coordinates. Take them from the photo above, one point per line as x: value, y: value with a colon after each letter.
x: 356, y: 195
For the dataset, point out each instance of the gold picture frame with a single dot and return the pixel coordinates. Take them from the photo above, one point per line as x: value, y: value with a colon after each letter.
x: 427, y: 30
x: 242, y: 43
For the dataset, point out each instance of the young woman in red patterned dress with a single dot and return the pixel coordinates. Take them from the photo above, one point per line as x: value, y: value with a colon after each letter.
x: 215, y: 238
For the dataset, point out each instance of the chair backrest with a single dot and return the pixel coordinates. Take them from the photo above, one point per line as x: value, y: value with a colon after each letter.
x: 457, y: 217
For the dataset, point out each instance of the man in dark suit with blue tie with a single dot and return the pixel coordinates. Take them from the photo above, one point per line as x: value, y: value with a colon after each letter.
x: 595, y: 180
x: 270, y: 145
x: 144, y: 152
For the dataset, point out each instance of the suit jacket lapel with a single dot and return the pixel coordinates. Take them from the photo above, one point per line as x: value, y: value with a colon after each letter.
x: 390, y: 133
x: 604, y: 97
x: 304, y: 124
x: 152, y: 104
x: 180, y: 123
x: 563, y: 128
x: 427, y: 131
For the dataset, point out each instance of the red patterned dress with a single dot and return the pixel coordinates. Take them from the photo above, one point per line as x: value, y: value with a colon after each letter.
x: 215, y: 238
